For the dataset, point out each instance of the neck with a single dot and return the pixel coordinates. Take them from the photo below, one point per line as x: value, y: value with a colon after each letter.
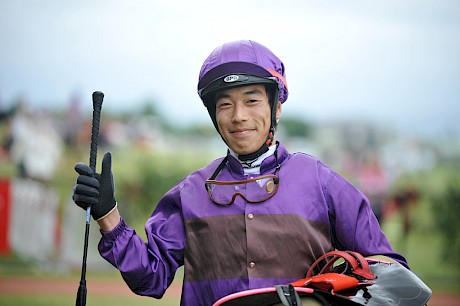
x: 252, y: 166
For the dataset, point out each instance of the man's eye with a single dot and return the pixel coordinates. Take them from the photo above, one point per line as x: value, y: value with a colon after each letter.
x: 223, y: 104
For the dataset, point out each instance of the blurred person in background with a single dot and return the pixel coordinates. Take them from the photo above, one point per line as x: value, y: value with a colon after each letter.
x: 35, y: 144
x: 373, y: 182
x: 6, y: 138
x: 257, y: 217
x: 73, y: 121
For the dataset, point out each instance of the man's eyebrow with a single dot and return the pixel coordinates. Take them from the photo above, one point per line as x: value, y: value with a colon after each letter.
x: 253, y: 92
x: 221, y: 95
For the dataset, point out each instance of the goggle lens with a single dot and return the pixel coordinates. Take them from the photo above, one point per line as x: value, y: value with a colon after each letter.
x: 253, y: 190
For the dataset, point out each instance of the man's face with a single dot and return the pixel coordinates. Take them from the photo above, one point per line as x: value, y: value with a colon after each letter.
x: 243, y: 117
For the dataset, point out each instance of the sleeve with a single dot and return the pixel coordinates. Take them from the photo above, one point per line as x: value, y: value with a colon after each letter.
x: 149, y: 268
x: 354, y: 225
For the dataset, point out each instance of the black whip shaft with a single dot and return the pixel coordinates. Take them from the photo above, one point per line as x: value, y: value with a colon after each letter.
x: 98, y: 97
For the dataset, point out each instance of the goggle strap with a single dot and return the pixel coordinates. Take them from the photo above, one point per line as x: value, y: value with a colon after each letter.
x: 219, y: 168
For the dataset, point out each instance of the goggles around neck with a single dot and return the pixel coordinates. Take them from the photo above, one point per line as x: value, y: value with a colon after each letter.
x: 253, y: 190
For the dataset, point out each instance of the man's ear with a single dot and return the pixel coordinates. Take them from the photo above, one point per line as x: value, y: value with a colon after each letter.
x: 278, y: 111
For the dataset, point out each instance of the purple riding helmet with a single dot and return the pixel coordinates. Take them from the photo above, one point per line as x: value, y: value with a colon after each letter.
x: 242, y: 63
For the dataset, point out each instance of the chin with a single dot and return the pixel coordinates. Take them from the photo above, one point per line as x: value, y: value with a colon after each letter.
x: 244, y: 151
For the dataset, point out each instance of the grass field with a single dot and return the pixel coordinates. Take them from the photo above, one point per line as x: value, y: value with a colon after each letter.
x: 60, y: 300
x: 54, y: 290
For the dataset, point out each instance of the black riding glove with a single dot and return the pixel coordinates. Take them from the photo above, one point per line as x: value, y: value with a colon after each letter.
x: 95, y: 190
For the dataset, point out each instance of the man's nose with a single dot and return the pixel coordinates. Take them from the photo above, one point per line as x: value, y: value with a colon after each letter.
x: 239, y: 113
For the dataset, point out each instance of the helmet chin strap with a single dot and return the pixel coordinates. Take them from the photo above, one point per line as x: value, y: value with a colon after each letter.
x: 262, y: 149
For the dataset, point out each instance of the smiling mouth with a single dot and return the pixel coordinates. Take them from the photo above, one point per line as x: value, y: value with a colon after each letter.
x: 242, y: 132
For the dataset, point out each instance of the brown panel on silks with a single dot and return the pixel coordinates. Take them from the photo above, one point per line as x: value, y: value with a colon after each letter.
x: 254, y: 246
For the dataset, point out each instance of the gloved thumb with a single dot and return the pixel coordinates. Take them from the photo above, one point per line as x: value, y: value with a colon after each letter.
x: 106, y: 164
x: 106, y: 190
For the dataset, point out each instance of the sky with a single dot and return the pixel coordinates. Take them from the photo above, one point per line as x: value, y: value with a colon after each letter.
x: 395, y: 63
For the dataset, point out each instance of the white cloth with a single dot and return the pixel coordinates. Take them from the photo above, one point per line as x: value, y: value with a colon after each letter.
x: 253, y: 166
